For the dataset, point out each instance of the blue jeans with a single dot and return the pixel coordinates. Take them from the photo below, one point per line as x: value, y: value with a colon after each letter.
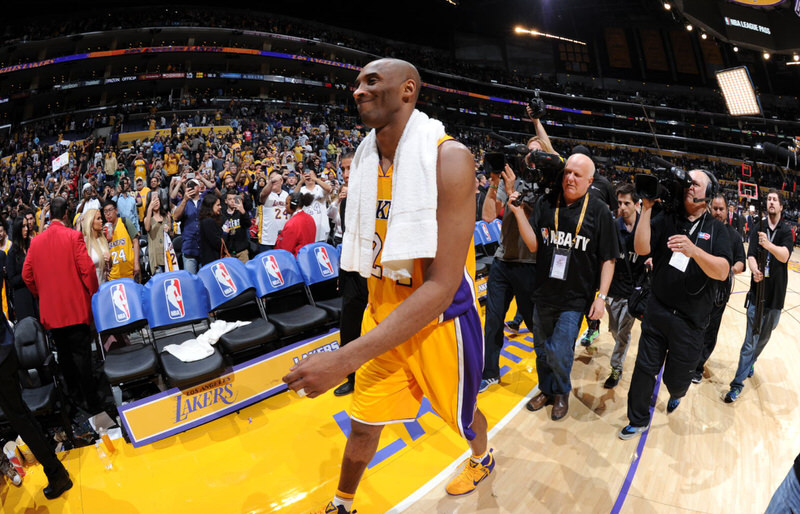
x: 754, y: 345
x: 554, y: 334
x: 787, y: 496
x: 190, y: 264
x: 507, y: 280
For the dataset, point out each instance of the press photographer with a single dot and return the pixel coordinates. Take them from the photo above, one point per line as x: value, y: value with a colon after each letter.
x: 691, y: 255
x: 513, y: 269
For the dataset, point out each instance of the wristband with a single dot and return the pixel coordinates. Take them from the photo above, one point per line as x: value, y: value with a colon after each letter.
x: 492, y: 187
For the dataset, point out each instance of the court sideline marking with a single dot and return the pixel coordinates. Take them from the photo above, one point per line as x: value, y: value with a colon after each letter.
x: 438, y: 479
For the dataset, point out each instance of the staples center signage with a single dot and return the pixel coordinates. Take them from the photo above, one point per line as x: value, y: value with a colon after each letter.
x: 173, y: 411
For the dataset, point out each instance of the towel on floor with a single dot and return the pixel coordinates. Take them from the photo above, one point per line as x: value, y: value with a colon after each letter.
x: 411, y: 228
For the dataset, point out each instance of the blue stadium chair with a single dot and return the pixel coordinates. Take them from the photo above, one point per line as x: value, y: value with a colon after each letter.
x: 178, y: 300
x: 117, y: 310
x: 491, y: 239
x: 498, y: 225
x: 233, y: 298
x: 484, y: 248
x: 280, y: 286
x: 319, y: 264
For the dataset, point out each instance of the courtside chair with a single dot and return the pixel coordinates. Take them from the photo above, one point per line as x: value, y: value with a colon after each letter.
x: 485, y: 247
x: 176, y: 305
x: 280, y: 287
x: 498, y: 227
x: 319, y: 264
x: 42, y: 390
x: 117, y: 310
x: 233, y: 298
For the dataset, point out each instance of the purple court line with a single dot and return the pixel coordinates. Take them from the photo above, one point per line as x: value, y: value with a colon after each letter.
x: 626, y: 485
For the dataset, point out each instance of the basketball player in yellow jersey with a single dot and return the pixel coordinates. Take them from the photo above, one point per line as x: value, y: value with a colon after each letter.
x: 418, y: 338
x: 124, y: 244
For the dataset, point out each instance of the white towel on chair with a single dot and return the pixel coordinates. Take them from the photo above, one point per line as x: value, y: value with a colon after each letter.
x: 411, y: 228
x: 190, y: 351
x: 200, y: 348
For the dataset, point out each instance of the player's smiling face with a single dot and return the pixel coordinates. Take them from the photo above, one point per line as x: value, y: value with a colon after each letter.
x: 378, y: 94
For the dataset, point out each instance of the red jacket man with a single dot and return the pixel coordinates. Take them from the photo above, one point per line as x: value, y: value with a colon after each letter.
x: 60, y: 272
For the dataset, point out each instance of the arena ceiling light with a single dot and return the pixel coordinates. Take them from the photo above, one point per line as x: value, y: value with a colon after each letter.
x: 737, y: 89
x: 766, y: 56
x: 536, y: 33
x: 667, y: 6
x: 689, y: 27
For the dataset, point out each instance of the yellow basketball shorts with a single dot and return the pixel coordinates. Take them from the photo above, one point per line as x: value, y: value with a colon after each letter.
x: 443, y: 362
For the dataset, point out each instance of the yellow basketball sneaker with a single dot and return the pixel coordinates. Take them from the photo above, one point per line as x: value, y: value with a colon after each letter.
x: 330, y: 508
x: 472, y: 475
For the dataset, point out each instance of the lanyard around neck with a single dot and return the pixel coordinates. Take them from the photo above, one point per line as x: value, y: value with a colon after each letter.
x: 580, y: 219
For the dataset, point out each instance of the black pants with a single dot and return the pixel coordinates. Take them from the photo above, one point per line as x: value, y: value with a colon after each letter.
x: 669, y: 340
x: 710, y: 334
x: 507, y: 280
x: 74, y: 345
x: 21, y: 419
x: 354, y: 300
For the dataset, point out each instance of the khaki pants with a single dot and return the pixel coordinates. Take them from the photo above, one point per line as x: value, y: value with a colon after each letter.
x: 243, y: 256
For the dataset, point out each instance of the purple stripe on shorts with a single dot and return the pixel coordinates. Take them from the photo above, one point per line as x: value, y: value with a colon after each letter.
x: 462, y: 301
x: 472, y: 355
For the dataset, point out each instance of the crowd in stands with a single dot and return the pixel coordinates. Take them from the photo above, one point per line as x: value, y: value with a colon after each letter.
x: 426, y: 58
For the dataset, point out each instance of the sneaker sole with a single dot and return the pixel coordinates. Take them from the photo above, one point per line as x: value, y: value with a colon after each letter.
x: 627, y: 437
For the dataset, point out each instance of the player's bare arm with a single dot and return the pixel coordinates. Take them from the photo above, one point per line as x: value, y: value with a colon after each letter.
x: 443, y: 274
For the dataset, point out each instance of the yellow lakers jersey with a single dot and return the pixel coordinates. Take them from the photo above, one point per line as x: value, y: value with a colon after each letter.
x: 122, y: 256
x: 386, y: 294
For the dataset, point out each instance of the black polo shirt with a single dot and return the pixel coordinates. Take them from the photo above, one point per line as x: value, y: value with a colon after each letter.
x: 691, y: 292
x: 596, y: 242
x: 630, y: 266
x: 775, y: 292
x: 737, y: 250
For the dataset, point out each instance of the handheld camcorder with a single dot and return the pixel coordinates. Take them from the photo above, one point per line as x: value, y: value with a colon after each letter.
x: 539, y: 171
x: 667, y: 183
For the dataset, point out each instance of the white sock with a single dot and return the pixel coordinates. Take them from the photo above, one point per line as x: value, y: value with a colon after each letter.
x: 347, y: 504
x: 479, y: 458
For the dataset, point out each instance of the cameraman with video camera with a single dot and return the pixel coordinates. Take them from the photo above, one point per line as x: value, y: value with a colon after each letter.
x: 691, y: 255
x: 573, y: 235
x: 513, y: 269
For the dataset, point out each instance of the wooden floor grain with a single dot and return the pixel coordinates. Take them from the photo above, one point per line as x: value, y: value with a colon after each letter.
x: 707, y: 456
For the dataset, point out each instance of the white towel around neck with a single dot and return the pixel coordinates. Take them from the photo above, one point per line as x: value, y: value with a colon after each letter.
x: 411, y: 231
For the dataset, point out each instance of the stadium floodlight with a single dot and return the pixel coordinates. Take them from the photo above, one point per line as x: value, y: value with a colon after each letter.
x: 667, y: 6
x: 796, y: 57
x: 735, y: 48
x: 766, y: 56
x: 689, y: 27
x: 703, y: 36
x: 737, y: 89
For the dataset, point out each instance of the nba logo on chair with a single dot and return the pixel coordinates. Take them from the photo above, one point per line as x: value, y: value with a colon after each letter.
x: 324, y: 261
x: 224, y: 280
x: 172, y: 289
x: 119, y: 299
x: 273, y: 271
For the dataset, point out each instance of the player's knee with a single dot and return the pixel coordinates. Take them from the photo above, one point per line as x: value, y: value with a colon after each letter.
x: 363, y: 431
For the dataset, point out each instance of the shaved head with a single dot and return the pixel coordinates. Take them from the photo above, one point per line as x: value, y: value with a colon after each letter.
x: 386, y: 92
x: 583, y: 161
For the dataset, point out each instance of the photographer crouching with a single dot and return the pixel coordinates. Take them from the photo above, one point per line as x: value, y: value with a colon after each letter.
x: 573, y: 235
x: 691, y: 257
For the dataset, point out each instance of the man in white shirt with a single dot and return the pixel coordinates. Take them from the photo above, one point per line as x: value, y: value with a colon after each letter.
x: 319, y: 189
x: 273, y: 211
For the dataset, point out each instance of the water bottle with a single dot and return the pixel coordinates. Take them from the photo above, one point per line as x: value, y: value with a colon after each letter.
x: 109, y: 445
x: 101, y: 453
